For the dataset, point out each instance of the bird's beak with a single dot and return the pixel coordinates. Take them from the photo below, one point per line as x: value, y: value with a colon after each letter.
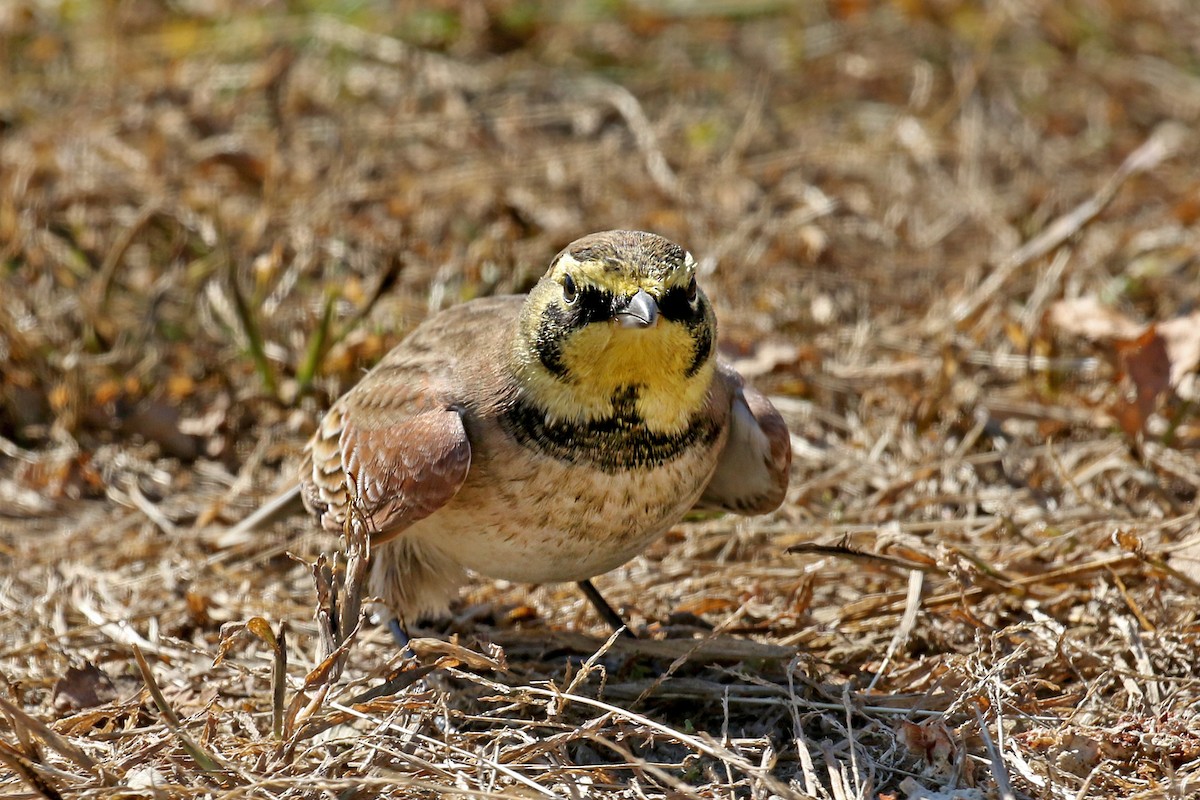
x: 640, y: 312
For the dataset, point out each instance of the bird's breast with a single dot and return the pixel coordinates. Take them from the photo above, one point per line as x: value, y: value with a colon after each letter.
x: 612, y: 444
x: 559, y: 507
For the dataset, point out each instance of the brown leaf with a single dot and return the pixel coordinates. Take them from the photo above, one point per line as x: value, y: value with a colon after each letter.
x: 198, y: 605
x: 230, y: 632
x: 82, y: 687
x: 1091, y: 319
x: 262, y: 629
x: 523, y: 613
x: 57, y: 476
x: 931, y: 740
x: 247, y: 166
x: 180, y: 386
x: 707, y: 605
x: 1128, y: 541
x: 427, y: 648
x: 1145, y: 361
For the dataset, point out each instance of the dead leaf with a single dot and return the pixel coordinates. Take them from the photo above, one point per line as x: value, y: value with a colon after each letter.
x: 707, y: 605
x: 766, y: 358
x: 231, y: 631
x: 1185, y: 557
x: 247, y: 166
x: 62, y: 475
x: 523, y: 613
x: 1091, y: 319
x: 180, y: 386
x: 262, y: 629
x: 1182, y: 339
x: 198, y: 605
x: 1145, y: 361
x: 426, y: 648
x: 932, y: 741
x: 1078, y: 755
x: 82, y: 687
x: 1128, y: 541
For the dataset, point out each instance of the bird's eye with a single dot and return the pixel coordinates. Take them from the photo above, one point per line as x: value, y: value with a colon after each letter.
x: 570, y: 290
x: 693, y: 291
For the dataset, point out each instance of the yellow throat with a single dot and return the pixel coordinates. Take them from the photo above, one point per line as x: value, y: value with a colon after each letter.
x: 600, y: 363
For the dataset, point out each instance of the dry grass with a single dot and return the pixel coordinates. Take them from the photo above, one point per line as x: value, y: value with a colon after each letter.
x: 984, y: 582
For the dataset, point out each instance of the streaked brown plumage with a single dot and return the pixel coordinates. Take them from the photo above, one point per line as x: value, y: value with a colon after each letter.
x: 547, y: 437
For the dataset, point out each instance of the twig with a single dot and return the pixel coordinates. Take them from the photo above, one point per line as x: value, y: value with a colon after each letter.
x: 400, y: 680
x: 20, y: 719
x: 122, y: 632
x: 684, y: 657
x: 709, y: 748
x: 999, y: 773
x: 1161, y: 145
x: 912, y: 604
x: 846, y: 550
x: 678, y: 786
x: 1142, y: 659
x: 478, y: 757
x: 205, y: 760
x: 851, y: 740
x: 586, y: 668
x: 630, y: 109
x: 108, y: 269
x: 279, y: 681
x: 25, y: 767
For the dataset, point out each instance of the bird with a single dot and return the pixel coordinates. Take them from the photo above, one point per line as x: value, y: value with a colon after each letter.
x: 543, y: 438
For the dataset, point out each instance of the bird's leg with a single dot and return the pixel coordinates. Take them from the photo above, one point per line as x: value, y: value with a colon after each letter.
x: 604, y: 609
x: 398, y: 633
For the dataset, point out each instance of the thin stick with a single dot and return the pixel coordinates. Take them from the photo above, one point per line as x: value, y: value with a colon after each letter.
x: 203, y: 758
x: 1161, y: 145
x: 22, y: 765
x: 52, y: 739
x: 1003, y: 787
x: 912, y: 604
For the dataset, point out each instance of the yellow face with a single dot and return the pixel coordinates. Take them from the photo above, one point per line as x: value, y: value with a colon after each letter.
x: 619, y: 318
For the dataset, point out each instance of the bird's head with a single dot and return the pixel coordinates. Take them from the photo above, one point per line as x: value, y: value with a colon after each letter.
x: 618, y: 317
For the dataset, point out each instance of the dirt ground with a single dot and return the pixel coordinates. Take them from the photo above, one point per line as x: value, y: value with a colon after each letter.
x: 957, y: 242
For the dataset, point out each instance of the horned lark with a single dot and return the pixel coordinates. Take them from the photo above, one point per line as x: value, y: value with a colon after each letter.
x: 548, y: 437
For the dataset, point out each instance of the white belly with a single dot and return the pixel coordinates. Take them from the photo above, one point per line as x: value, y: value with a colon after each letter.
x: 568, y: 523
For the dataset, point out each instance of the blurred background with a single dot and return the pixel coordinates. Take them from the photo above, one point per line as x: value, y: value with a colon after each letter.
x: 194, y: 193
x: 957, y: 242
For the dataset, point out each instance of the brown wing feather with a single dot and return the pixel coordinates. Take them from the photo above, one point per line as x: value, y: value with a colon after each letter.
x: 778, y: 458
x: 395, y: 468
x: 753, y: 469
x: 395, y: 443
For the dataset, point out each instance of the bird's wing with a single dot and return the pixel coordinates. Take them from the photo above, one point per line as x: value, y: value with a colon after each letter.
x: 392, y: 466
x: 752, y: 471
